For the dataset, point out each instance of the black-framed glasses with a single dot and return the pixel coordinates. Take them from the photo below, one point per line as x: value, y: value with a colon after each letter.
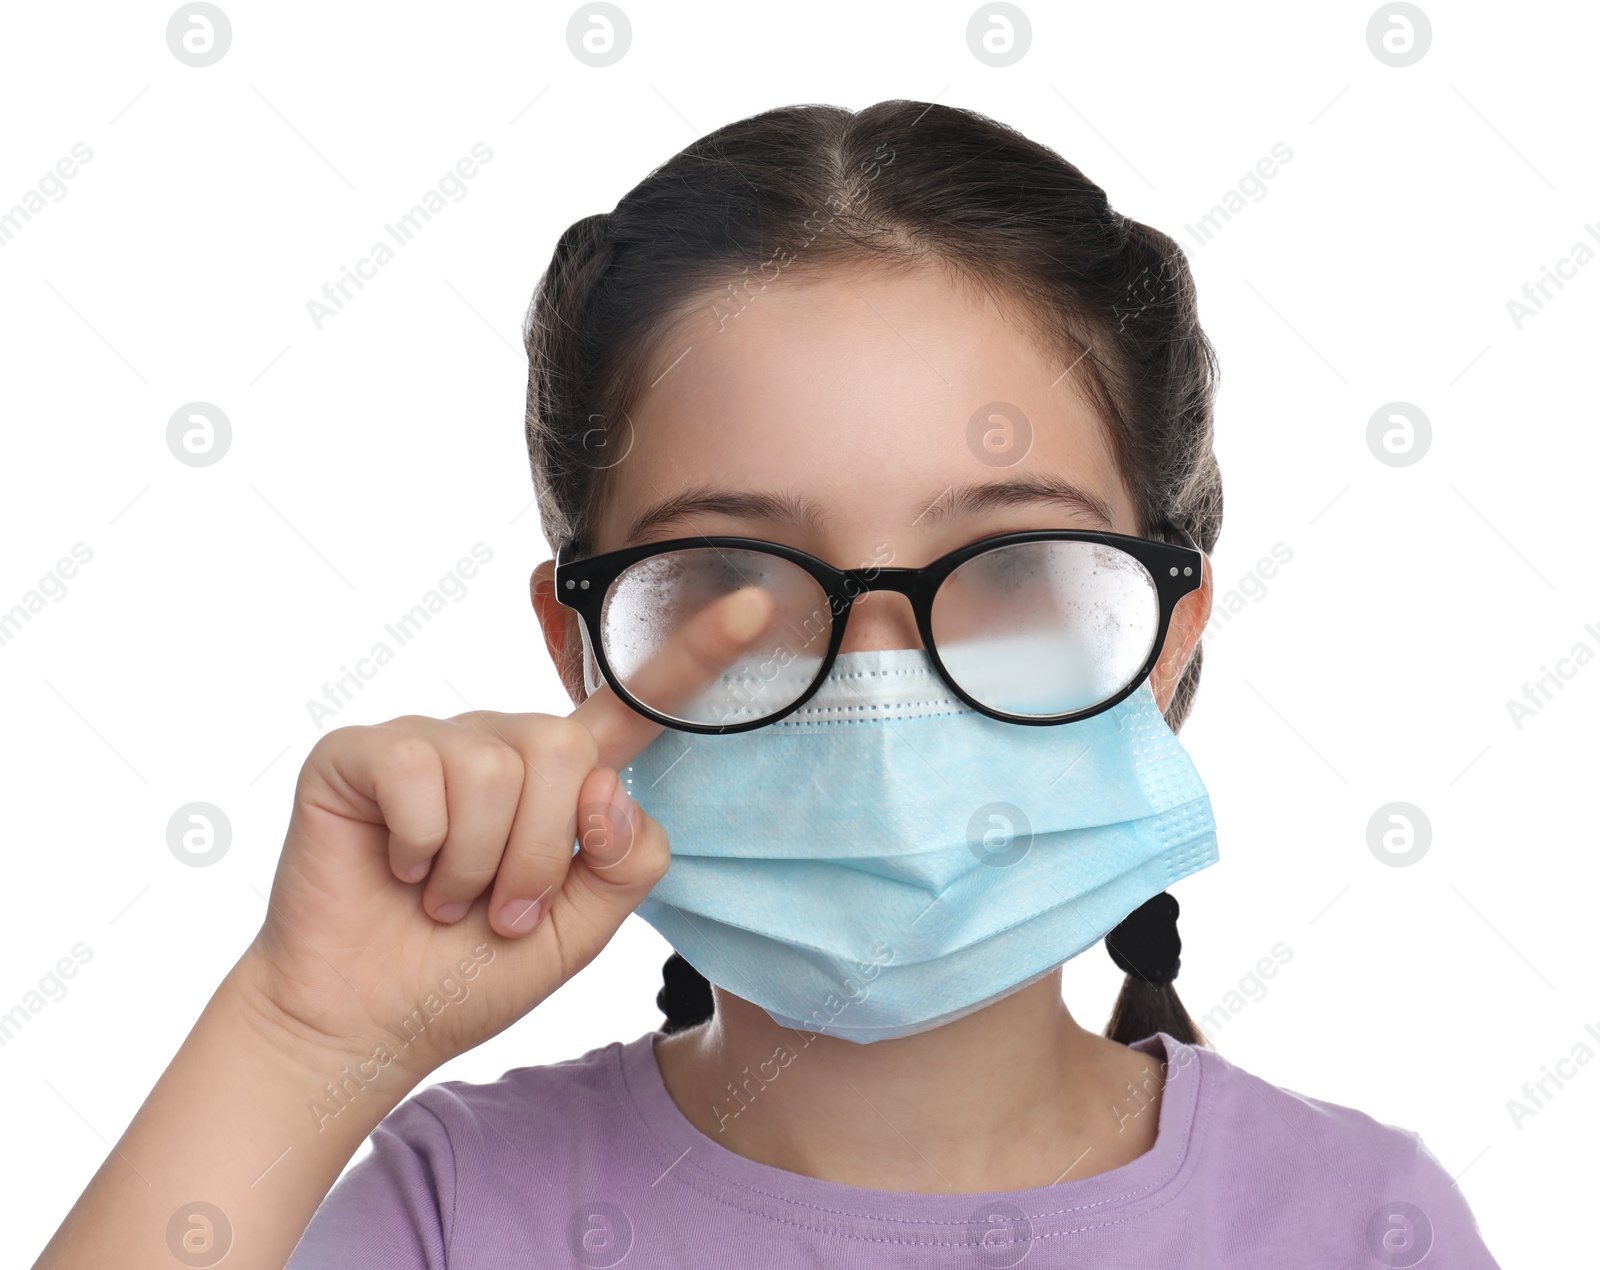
x: 1045, y: 626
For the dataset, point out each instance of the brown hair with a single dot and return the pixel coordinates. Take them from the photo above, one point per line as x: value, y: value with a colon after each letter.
x: 898, y: 184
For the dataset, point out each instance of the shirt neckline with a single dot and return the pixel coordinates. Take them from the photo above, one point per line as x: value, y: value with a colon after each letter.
x: 689, y: 1157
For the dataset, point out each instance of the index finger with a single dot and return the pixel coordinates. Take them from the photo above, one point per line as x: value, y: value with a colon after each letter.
x: 687, y: 663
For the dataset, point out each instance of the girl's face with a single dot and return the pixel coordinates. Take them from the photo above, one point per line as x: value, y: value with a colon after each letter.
x: 833, y: 414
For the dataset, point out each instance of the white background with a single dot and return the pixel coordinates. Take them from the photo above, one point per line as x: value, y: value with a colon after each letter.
x: 370, y: 455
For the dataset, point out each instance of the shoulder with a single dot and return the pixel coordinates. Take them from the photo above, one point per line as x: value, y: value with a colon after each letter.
x: 458, y: 1165
x: 547, y: 1103
x: 1296, y: 1131
x: 1248, y: 1103
x: 1300, y: 1154
x: 534, y: 1122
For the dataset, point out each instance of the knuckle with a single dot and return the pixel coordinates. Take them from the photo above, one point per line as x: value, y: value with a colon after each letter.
x: 405, y: 755
x: 406, y: 722
x: 562, y: 741
x: 338, y: 735
x: 492, y: 764
x: 339, y: 739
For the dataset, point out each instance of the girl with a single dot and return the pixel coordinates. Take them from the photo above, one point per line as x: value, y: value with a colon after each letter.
x: 876, y: 452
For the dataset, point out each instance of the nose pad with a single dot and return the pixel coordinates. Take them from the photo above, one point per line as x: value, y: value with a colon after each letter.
x: 880, y: 619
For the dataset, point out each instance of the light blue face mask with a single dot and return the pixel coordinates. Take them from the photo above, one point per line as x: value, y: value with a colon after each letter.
x: 887, y: 859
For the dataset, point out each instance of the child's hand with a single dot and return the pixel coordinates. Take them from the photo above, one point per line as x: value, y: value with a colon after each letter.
x: 428, y: 895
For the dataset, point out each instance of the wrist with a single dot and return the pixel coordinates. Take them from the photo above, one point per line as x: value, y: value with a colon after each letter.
x: 253, y: 996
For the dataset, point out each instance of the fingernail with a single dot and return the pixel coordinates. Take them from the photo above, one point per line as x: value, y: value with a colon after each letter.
x: 448, y: 913
x: 416, y: 872
x: 749, y: 613
x: 521, y: 916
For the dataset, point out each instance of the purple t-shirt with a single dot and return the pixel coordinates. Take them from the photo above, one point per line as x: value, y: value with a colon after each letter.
x: 589, y: 1163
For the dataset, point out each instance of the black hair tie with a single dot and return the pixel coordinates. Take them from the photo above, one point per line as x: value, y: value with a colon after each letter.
x: 685, y: 996
x: 1146, y: 944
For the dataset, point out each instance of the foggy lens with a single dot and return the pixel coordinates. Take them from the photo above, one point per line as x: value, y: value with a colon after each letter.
x: 653, y: 624
x: 1046, y: 628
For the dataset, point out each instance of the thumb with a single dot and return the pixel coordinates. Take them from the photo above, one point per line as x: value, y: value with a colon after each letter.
x: 622, y: 853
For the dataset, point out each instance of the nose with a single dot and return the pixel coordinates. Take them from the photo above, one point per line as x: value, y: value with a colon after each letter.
x: 880, y: 619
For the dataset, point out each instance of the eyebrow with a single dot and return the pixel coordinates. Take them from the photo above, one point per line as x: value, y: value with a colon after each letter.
x: 968, y: 500
x: 793, y: 509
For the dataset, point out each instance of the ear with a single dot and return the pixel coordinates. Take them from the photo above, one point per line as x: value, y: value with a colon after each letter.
x: 562, y: 638
x: 1189, y: 620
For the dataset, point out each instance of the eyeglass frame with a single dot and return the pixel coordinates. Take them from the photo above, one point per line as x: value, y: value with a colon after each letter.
x: 582, y: 585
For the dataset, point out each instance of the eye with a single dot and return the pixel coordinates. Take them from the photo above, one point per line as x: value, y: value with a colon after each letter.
x: 997, y: 569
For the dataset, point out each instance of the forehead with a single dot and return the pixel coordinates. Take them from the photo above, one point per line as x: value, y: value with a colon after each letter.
x: 865, y: 390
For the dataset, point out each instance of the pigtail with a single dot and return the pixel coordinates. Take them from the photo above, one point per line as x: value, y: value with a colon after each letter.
x: 1143, y: 1009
